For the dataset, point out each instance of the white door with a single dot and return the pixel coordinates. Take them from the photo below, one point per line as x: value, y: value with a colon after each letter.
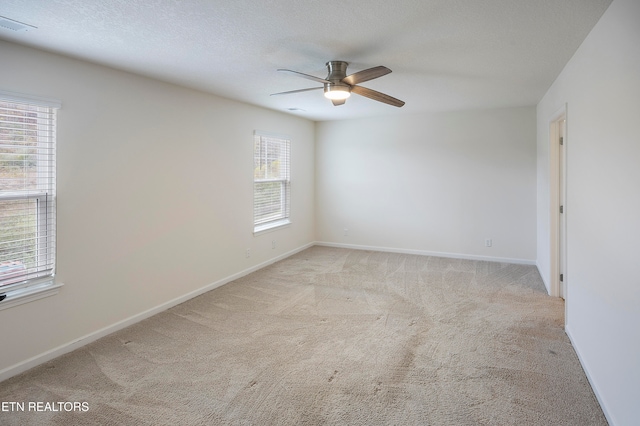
x: 562, y: 231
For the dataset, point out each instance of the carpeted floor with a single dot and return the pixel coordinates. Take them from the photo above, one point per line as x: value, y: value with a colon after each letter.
x: 332, y: 336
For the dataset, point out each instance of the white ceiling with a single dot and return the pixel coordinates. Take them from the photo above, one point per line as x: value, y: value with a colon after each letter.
x: 445, y: 54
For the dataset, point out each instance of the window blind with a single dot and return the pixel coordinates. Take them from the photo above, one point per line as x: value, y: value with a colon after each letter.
x: 271, y: 181
x: 27, y: 191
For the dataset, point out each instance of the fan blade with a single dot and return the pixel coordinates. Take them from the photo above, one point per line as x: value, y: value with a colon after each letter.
x: 295, y: 91
x: 366, y: 75
x: 338, y: 102
x: 307, y: 76
x: 376, y: 96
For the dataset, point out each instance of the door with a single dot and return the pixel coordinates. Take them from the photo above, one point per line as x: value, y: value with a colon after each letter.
x: 558, y: 203
x: 562, y: 201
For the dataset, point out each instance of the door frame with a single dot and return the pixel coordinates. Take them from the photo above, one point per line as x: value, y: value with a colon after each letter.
x: 558, y: 197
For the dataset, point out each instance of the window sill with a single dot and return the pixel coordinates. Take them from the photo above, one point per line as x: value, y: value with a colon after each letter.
x: 29, y: 293
x: 271, y: 226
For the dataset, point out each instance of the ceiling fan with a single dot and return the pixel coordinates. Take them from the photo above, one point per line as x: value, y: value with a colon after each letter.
x: 338, y: 86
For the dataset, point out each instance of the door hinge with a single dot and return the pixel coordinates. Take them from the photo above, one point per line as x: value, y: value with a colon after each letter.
x: 561, y: 140
x: 561, y: 209
x: 561, y: 277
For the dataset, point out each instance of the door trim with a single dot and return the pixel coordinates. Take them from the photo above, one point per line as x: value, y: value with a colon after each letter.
x: 555, y: 193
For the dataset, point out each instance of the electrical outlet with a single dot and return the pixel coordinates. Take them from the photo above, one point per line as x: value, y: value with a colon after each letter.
x: 346, y: 232
x: 247, y: 254
x: 488, y: 242
x: 273, y: 244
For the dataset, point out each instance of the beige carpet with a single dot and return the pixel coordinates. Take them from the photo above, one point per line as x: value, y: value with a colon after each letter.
x: 332, y: 336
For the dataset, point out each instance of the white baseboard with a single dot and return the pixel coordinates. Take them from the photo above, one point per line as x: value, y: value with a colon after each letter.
x: 603, y: 406
x: 428, y: 253
x: 91, y: 337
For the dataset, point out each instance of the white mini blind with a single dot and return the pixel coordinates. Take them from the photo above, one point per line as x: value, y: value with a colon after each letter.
x: 271, y: 181
x: 27, y: 191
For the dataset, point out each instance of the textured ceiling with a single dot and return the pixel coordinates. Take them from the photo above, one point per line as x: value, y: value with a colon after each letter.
x: 445, y: 54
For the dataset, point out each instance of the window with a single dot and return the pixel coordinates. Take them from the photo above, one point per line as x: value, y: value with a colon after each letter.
x: 271, y: 182
x: 27, y: 198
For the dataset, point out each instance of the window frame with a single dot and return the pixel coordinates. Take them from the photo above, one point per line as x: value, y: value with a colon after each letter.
x: 43, y: 285
x: 262, y: 226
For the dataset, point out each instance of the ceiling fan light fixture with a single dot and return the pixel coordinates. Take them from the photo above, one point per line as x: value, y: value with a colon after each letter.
x: 338, y: 85
x: 336, y: 92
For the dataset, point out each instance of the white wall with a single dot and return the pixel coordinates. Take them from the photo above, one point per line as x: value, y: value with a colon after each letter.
x: 601, y: 86
x: 430, y: 183
x: 154, y: 196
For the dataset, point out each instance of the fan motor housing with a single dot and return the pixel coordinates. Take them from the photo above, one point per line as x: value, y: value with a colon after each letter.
x: 337, y: 71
